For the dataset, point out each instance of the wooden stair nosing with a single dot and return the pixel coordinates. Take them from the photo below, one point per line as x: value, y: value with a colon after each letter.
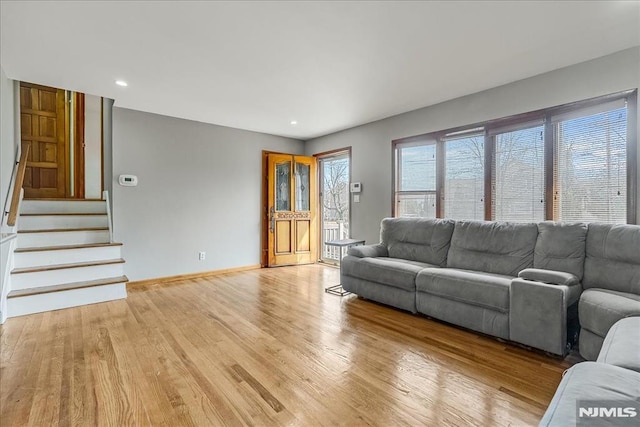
x: 65, y: 214
x: 66, y: 247
x: 66, y: 266
x: 64, y: 230
x: 67, y: 287
x: 51, y: 199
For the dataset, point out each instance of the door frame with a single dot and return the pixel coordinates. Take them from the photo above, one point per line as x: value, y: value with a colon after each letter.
x: 319, y: 157
x: 78, y: 145
x: 74, y: 134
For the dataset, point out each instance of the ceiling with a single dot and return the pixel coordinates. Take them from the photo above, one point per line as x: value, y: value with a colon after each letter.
x: 327, y: 65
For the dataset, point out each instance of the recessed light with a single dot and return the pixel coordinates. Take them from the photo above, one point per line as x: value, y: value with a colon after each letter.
x: 293, y: 122
x: 122, y: 83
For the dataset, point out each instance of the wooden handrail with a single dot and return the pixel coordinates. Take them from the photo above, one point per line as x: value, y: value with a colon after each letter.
x: 15, y: 198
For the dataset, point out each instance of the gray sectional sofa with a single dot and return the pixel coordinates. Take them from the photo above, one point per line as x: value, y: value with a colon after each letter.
x: 613, y: 382
x: 520, y: 282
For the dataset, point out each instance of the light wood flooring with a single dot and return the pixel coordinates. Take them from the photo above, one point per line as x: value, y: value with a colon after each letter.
x: 262, y: 347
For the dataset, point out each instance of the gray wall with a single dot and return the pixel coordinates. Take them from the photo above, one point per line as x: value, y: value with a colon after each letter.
x: 371, y: 143
x: 8, y: 144
x: 199, y: 190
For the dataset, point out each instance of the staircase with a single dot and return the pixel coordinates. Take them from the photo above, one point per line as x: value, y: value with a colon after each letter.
x: 64, y: 257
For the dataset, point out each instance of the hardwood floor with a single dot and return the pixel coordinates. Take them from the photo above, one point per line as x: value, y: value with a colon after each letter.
x: 261, y: 347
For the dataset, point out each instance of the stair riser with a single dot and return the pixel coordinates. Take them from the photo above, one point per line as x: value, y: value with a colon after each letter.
x: 31, y: 240
x: 62, y: 206
x: 61, y: 221
x: 66, y: 256
x: 64, y: 299
x: 66, y: 275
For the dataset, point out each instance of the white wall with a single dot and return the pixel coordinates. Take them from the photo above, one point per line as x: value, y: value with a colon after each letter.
x: 371, y: 143
x: 8, y: 152
x: 92, y: 147
x: 199, y: 190
x: 8, y: 144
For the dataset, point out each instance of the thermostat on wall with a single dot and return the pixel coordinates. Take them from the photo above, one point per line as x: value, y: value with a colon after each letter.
x: 356, y: 187
x: 128, y: 180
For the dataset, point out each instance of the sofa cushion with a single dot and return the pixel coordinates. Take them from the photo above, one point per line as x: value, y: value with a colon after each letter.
x: 417, y: 239
x: 485, y: 290
x: 595, y: 382
x: 492, y: 247
x: 613, y: 258
x: 599, y: 309
x: 561, y: 247
x: 621, y: 346
x: 363, y: 251
x: 394, y: 272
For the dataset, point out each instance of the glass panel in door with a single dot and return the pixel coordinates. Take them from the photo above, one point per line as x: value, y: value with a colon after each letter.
x: 283, y: 189
x: 303, y: 185
x: 335, y: 204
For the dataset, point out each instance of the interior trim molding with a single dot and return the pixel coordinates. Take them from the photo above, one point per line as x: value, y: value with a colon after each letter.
x: 168, y: 279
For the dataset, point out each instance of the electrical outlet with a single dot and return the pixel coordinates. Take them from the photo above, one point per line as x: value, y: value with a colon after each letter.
x: 201, y: 256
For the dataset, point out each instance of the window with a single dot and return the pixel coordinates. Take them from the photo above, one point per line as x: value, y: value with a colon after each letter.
x: 518, y: 175
x: 464, y: 177
x: 416, y: 167
x: 567, y: 163
x: 591, y: 165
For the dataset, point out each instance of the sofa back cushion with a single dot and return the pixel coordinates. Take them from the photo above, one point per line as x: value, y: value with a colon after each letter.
x: 492, y: 247
x: 613, y: 258
x: 561, y: 247
x: 417, y: 239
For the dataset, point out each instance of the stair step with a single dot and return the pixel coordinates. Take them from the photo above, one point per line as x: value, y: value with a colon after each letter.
x: 30, y: 206
x: 61, y: 199
x: 66, y: 254
x: 63, y: 213
x: 62, y: 230
x: 62, y: 221
x: 65, y: 266
x: 60, y: 237
x: 65, y: 247
x: 66, y: 287
x: 65, y: 295
x: 56, y: 274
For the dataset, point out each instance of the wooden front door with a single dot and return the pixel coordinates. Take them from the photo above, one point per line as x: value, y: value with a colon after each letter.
x: 291, y: 209
x: 42, y: 123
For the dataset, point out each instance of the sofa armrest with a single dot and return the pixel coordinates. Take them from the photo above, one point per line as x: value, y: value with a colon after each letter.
x: 365, y: 251
x: 549, y: 276
x: 538, y: 314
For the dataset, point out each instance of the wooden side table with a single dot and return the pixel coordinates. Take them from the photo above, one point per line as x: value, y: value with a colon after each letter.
x: 343, y: 243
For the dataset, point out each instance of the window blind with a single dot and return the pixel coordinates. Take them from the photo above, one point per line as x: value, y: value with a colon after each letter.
x: 417, y: 168
x: 464, y: 178
x: 518, y: 175
x: 590, y: 169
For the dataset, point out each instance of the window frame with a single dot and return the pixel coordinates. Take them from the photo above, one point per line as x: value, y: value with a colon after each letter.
x: 491, y: 128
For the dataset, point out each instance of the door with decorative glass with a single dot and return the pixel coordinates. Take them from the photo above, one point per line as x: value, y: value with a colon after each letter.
x: 291, y: 208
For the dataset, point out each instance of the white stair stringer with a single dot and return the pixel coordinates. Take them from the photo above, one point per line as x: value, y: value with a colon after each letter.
x: 40, y: 302
x: 64, y: 257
